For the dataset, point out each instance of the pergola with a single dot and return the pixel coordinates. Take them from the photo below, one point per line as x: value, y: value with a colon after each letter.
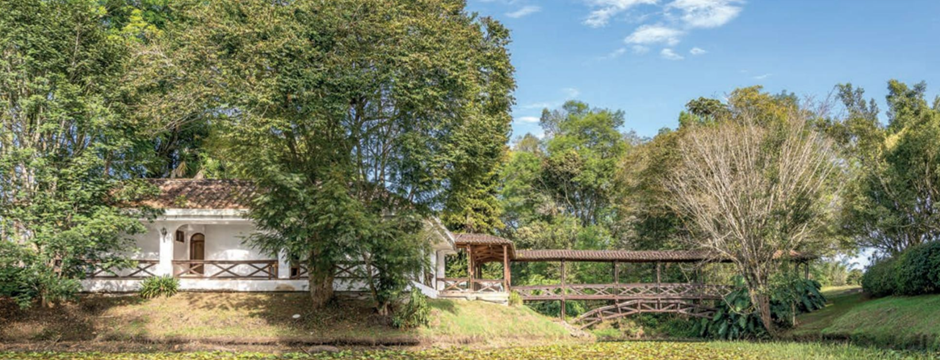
x: 481, y: 249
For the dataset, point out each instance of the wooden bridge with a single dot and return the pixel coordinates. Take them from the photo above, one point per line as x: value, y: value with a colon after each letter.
x: 610, y: 301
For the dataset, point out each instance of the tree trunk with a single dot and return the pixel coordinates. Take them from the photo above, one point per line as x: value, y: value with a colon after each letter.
x: 320, y: 278
x: 763, y: 308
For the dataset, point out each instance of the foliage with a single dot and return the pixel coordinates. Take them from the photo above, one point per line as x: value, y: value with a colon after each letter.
x: 918, y: 270
x: 157, y: 286
x: 67, y: 148
x: 895, y: 167
x: 515, y: 299
x: 647, y: 350
x: 833, y: 272
x: 738, y: 318
x: 880, y: 280
x: 914, y: 271
x: 414, y: 313
x: 371, y: 116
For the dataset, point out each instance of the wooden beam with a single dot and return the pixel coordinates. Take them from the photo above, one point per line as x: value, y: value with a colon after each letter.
x: 563, y: 291
x: 658, y: 272
x: 469, y: 269
x: 616, y: 272
x: 506, y: 273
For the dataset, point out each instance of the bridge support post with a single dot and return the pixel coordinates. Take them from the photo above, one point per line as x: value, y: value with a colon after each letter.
x: 564, y: 291
x: 506, y: 273
x: 469, y: 269
x: 616, y: 272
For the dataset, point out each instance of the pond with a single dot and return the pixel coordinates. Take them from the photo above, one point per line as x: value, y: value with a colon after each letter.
x: 620, y: 350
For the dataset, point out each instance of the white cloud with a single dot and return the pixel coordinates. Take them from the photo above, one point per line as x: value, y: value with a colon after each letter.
x: 539, y: 105
x: 639, y: 49
x: 525, y: 10
x: 571, y: 93
x: 606, y: 9
x: 528, y: 119
x: 668, y: 54
x: 697, y: 51
x: 614, y: 54
x: 654, y: 34
x: 762, y: 76
x: 706, y: 13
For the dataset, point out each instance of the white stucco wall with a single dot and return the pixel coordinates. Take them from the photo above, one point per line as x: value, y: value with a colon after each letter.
x: 225, y: 232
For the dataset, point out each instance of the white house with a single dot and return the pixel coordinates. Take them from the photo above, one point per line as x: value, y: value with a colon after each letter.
x: 200, y: 240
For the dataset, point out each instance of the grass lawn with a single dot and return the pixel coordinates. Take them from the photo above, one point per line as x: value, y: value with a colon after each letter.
x: 894, y: 321
x: 625, y: 350
x: 239, y: 318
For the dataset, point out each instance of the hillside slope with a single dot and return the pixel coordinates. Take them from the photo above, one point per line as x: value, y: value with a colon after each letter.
x: 894, y: 321
x: 233, y: 318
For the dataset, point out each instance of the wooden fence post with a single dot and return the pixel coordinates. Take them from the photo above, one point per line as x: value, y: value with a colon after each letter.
x: 564, y: 291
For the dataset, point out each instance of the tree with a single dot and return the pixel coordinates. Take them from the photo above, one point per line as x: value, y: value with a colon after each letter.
x: 583, y: 148
x: 891, y: 198
x: 755, y: 186
x: 355, y: 118
x: 67, y: 148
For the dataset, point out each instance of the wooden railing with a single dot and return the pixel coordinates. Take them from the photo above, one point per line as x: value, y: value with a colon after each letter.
x: 225, y: 269
x: 342, y: 271
x: 654, y: 291
x: 144, y: 269
x: 478, y: 285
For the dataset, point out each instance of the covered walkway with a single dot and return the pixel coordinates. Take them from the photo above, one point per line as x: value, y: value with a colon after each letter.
x: 615, y: 299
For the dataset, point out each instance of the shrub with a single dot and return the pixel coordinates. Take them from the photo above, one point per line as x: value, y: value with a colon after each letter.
x: 879, y: 280
x: 156, y: 286
x: 737, y: 317
x: 916, y: 270
x: 515, y: 299
x: 416, y: 312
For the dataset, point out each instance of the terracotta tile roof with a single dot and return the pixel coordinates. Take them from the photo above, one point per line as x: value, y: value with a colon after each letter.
x: 201, y: 194
x: 480, y: 239
x: 622, y: 255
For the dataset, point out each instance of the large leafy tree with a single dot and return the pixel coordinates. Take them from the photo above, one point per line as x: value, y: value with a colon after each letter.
x: 892, y: 198
x: 356, y: 119
x: 66, y: 147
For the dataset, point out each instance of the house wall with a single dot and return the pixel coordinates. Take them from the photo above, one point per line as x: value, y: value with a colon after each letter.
x: 224, y: 240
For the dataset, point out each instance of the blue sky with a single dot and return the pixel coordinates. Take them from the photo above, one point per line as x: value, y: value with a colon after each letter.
x: 650, y: 57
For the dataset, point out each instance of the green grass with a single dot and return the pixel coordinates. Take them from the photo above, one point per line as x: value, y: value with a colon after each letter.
x: 480, y: 320
x: 268, y: 319
x: 894, y: 321
x: 625, y: 350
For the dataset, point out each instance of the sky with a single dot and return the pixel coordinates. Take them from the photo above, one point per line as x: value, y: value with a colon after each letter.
x: 650, y: 57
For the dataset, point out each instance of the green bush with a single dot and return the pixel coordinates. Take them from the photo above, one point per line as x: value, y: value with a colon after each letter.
x: 416, y: 312
x: 156, y: 286
x: 737, y: 317
x: 515, y: 299
x: 916, y: 270
x: 879, y: 279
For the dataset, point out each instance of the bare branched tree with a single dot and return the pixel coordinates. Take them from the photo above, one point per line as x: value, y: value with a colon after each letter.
x: 753, y: 189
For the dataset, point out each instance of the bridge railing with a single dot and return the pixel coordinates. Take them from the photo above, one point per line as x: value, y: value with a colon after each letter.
x: 652, y: 291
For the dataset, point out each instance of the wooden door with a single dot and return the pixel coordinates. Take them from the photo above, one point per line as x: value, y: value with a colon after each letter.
x: 197, y: 251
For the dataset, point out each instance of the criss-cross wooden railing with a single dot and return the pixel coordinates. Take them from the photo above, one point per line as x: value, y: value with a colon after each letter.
x: 662, y: 291
x: 475, y: 285
x: 144, y: 269
x: 342, y: 271
x: 226, y: 269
